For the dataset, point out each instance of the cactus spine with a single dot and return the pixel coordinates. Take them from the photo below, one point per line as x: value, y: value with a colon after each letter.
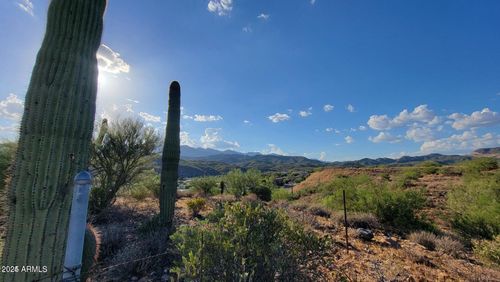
x: 54, y: 139
x: 170, y: 157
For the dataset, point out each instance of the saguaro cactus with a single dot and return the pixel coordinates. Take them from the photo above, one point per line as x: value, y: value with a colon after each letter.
x: 170, y: 157
x: 54, y: 139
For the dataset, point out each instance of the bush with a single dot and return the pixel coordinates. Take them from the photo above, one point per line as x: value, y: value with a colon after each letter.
x: 426, y: 239
x: 430, y: 167
x: 196, y: 205
x: 357, y: 220
x: 475, y: 207
x: 7, y: 152
x: 281, y: 194
x: 488, y: 251
x: 146, y: 185
x: 392, y: 205
x: 433, y: 242
x: 205, y: 185
x: 248, y: 242
x: 408, y: 177
x: 241, y: 183
x: 479, y: 165
x: 263, y: 193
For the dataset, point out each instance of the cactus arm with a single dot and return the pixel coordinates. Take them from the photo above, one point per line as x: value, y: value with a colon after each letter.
x: 54, y: 137
x: 170, y: 157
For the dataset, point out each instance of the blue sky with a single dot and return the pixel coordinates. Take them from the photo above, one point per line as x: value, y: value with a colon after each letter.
x: 332, y: 80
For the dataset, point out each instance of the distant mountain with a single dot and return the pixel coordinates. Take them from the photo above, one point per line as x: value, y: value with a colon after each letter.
x: 487, y: 152
x: 405, y: 160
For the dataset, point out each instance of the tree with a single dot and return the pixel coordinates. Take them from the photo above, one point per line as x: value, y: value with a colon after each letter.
x: 126, y: 149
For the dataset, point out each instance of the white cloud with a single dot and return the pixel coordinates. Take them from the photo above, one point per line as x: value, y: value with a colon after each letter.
x: 13, y: 128
x: 384, y: 137
x: 136, y: 101
x: 110, y: 61
x: 486, y: 117
x: 187, y: 117
x: 207, y: 118
x: 273, y: 149
x: 150, y: 117
x: 263, y: 16
x: 420, y: 134
x: 465, y: 142
x: 277, y: 117
x: 313, y: 2
x: 362, y: 128
x: 247, y: 29
x: 212, y: 139
x: 247, y: 122
x: 328, y: 108
x: 322, y: 156
x: 128, y: 108
x: 350, y: 108
x: 220, y: 7
x: 420, y: 114
x: 11, y: 107
x: 329, y: 129
x: 306, y: 113
x: 349, y: 139
x: 185, y: 140
x: 27, y: 6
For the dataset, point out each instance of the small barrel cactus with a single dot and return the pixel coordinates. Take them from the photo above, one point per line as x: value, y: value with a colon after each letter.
x: 170, y: 157
x: 54, y: 139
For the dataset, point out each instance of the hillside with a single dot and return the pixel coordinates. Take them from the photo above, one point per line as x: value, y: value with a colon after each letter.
x: 487, y: 152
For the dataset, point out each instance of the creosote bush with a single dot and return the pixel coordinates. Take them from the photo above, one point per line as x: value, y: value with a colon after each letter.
x: 393, y: 206
x: 479, y: 165
x: 205, y: 185
x: 247, y: 242
x: 196, y: 205
x: 434, y: 242
x: 488, y: 250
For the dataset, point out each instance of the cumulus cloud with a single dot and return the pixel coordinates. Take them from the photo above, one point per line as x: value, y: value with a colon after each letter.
x: 13, y: 128
x: 349, y: 139
x: 27, y: 6
x: 247, y: 122
x: 11, y: 107
x: 465, y: 142
x: 213, y: 139
x: 385, y: 137
x: 350, y: 108
x: 110, y: 61
x: 273, y: 149
x: 362, y: 128
x: 220, y: 7
x: 328, y: 108
x: 486, y: 117
x: 278, y: 117
x: 186, y: 140
x: 306, y: 113
x: 322, y: 156
x: 207, y: 118
x: 420, y: 114
x: 150, y: 117
x: 420, y: 134
x: 263, y: 16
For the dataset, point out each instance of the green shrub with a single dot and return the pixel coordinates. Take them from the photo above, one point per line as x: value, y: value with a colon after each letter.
x: 488, y: 251
x: 146, y: 185
x: 430, y: 167
x: 205, y: 185
x: 479, y: 165
x: 393, y: 206
x: 264, y: 193
x: 475, y: 207
x: 7, y: 151
x: 248, y: 242
x: 408, y: 177
x: 196, y: 205
x: 281, y: 194
x: 241, y: 183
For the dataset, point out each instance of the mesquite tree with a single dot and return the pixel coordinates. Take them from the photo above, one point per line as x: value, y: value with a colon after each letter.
x: 170, y: 157
x: 54, y: 138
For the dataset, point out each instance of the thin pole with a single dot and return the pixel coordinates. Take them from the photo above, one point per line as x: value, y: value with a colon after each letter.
x: 345, y: 223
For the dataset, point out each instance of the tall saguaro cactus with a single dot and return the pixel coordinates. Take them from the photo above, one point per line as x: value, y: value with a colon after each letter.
x: 170, y: 157
x: 54, y: 139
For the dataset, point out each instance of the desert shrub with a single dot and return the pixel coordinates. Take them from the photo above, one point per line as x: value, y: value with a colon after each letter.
x: 475, y: 207
x: 112, y: 239
x: 479, y: 165
x: 196, y: 205
x: 241, y: 183
x: 205, y: 184
x: 246, y: 242
x: 146, y: 185
x: 264, y: 193
x: 7, y: 152
x: 130, y: 259
x: 430, y: 167
x: 319, y: 211
x: 488, y: 250
x: 426, y: 239
x: 281, y: 194
x: 449, y: 246
x: 357, y: 220
x: 393, y: 206
x: 408, y: 177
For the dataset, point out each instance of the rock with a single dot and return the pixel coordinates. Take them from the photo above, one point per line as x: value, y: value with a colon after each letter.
x: 389, y: 242
x: 364, y: 234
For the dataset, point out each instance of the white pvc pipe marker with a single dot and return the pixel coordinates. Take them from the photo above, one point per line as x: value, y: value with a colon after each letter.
x: 77, y: 225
